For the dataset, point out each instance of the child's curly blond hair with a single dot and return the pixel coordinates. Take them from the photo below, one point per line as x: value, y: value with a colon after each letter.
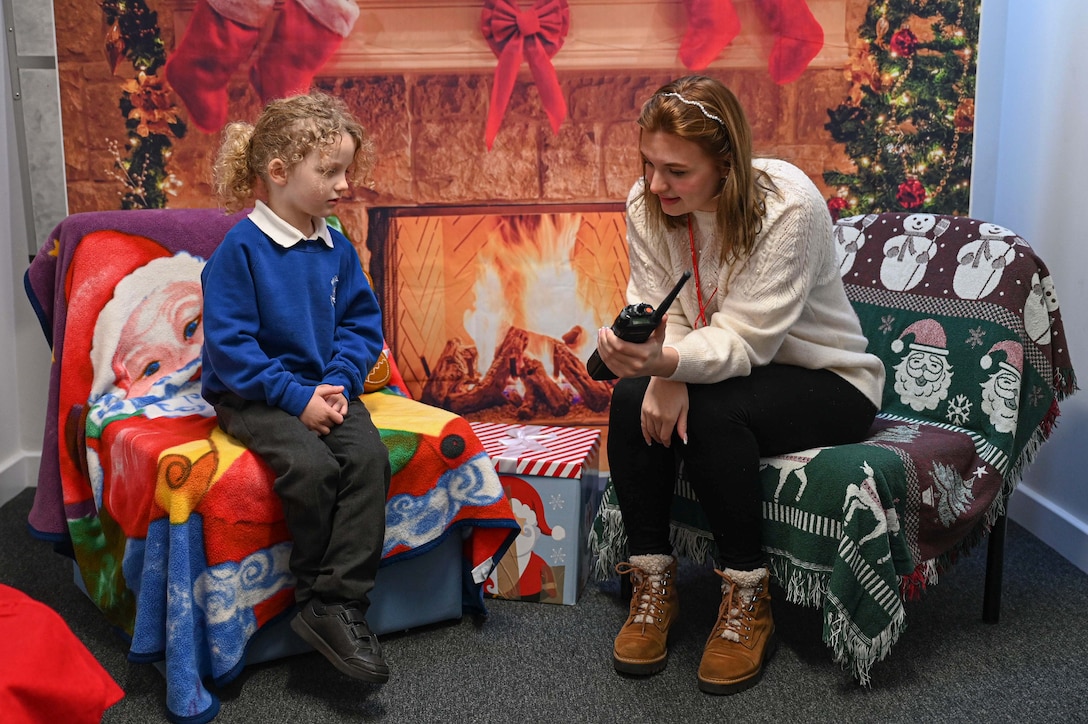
x: 287, y: 129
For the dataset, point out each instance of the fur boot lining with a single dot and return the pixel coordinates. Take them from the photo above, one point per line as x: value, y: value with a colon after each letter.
x: 652, y: 563
x: 746, y: 579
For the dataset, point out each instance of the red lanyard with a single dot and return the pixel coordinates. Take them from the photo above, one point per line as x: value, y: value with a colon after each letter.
x: 701, y: 319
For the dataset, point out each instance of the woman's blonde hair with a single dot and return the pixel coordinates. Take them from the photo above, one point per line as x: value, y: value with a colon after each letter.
x: 702, y: 110
x: 287, y: 129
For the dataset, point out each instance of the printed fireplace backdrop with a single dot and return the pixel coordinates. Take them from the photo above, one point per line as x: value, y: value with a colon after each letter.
x: 493, y: 310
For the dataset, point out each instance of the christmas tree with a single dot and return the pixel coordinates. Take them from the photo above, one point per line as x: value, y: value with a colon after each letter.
x: 908, y: 120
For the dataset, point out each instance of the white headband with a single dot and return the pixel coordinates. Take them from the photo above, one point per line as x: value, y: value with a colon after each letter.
x: 697, y: 104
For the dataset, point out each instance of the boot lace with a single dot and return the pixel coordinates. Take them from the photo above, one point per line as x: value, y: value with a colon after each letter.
x: 649, y: 594
x: 735, y: 613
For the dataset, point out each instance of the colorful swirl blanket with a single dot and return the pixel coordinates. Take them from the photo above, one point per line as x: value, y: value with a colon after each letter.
x: 177, y: 534
x: 966, y: 319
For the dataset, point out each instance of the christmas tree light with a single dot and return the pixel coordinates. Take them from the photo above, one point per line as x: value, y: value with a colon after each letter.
x: 908, y: 120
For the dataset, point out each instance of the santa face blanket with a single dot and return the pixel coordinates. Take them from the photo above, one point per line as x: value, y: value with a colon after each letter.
x: 966, y: 319
x: 176, y: 531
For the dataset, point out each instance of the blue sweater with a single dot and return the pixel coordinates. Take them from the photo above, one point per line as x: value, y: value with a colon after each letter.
x: 279, y: 321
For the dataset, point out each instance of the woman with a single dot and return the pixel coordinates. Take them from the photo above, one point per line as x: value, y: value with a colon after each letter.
x: 760, y: 354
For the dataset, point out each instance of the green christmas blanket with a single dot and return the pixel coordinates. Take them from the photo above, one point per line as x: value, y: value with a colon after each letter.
x: 966, y: 319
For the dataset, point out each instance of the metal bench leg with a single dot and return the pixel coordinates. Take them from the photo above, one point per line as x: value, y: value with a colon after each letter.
x: 995, y: 560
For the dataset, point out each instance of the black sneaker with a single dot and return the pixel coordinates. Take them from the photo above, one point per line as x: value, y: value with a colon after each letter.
x: 340, y: 633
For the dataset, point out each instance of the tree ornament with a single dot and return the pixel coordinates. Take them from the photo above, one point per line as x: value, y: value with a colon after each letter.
x: 836, y: 205
x: 903, y: 43
x: 882, y: 28
x: 911, y: 194
x: 964, y: 118
x: 114, y: 47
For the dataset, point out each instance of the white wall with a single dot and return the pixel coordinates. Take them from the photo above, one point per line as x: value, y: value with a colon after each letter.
x: 24, y: 359
x: 1031, y: 175
x: 10, y: 440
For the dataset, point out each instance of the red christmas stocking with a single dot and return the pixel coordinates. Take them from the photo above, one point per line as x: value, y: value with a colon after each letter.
x: 306, y: 35
x: 213, y: 46
x: 797, y: 37
x: 712, y: 25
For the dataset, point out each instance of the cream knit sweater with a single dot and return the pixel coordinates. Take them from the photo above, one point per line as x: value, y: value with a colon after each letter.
x: 786, y: 305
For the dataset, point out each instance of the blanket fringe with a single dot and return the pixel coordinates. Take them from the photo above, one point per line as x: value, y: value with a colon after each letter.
x: 913, y: 585
x: 853, y: 652
x: 607, y: 542
x: 693, y: 544
x: 1065, y: 382
x: 803, y: 587
x: 609, y: 547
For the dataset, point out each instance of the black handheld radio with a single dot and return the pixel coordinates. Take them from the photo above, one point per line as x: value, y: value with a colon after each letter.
x: 635, y: 323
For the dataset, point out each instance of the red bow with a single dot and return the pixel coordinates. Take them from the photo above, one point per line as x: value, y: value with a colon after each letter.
x: 533, y: 35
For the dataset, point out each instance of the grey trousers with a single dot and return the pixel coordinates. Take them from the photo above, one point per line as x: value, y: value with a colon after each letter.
x: 333, y: 489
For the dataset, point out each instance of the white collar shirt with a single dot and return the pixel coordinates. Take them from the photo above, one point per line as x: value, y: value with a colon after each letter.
x: 283, y: 233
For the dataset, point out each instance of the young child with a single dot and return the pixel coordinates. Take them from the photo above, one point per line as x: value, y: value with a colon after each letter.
x: 291, y: 328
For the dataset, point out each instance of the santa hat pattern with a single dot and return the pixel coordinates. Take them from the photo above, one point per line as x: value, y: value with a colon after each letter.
x: 928, y: 337
x: 128, y: 293
x: 520, y: 490
x: 112, y: 256
x: 1014, y: 356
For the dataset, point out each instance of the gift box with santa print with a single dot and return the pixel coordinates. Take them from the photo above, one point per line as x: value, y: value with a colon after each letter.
x: 550, y: 475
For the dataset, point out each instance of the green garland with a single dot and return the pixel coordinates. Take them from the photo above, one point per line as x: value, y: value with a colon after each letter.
x: 151, y: 117
x: 909, y: 119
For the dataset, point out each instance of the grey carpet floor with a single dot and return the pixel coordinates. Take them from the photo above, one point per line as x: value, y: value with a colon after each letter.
x: 552, y: 664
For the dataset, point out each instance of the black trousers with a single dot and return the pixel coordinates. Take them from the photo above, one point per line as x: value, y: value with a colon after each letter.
x: 333, y: 489
x: 731, y: 424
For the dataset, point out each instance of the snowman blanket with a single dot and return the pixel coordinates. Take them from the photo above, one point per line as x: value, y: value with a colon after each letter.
x: 176, y: 531
x: 966, y: 319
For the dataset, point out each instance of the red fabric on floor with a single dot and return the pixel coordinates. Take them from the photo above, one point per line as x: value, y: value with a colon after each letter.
x: 46, y: 673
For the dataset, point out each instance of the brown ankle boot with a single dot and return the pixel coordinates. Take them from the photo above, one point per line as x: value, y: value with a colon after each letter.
x: 641, y: 645
x: 743, y: 639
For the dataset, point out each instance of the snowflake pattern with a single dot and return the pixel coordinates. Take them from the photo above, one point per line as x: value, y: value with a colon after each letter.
x: 959, y: 410
x: 1037, y: 395
x: 953, y: 493
x: 556, y: 501
x: 559, y: 556
x: 976, y: 337
x: 886, y: 323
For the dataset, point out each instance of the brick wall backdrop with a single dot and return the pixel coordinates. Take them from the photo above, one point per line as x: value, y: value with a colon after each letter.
x: 429, y: 127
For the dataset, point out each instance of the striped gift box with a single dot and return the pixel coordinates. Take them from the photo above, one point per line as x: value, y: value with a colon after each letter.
x: 549, y: 451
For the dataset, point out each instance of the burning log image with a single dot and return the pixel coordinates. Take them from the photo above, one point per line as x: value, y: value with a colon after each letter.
x: 495, y: 310
x: 516, y: 379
